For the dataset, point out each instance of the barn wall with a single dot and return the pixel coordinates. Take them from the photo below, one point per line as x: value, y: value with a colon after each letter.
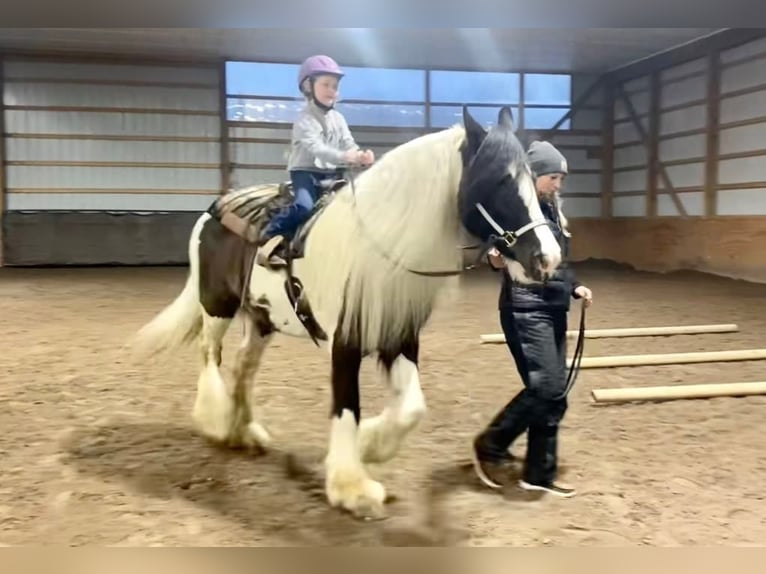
x: 111, y: 162
x: 107, y: 162
x: 742, y: 140
x: 258, y: 151
x: 732, y: 246
x: 582, y: 146
x: 705, y: 123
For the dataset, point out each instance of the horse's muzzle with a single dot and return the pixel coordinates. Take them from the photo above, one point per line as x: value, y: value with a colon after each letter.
x: 543, y: 267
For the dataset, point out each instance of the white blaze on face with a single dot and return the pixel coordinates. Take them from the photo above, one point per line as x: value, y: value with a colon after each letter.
x: 548, y: 245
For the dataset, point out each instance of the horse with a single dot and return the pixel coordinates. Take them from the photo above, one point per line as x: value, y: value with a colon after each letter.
x: 375, y: 257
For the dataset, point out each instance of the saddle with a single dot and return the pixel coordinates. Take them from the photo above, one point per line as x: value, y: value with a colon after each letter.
x: 248, y: 225
x: 250, y: 228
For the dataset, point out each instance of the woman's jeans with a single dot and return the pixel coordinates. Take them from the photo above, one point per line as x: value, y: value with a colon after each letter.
x: 537, y: 341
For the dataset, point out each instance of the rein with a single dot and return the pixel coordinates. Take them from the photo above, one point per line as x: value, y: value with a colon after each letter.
x: 444, y: 273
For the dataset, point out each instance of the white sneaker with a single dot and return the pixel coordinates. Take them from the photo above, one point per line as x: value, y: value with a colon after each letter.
x: 555, y: 488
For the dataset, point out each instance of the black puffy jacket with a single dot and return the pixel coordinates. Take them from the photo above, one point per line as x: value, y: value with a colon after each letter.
x: 556, y: 293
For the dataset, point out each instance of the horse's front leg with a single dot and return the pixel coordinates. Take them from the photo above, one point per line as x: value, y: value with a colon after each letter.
x: 347, y: 483
x: 381, y: 437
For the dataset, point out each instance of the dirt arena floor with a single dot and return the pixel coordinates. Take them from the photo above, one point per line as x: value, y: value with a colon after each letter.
x: 96, y: 450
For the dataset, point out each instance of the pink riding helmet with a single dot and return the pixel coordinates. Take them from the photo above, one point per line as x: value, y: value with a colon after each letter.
x: 317, y: 65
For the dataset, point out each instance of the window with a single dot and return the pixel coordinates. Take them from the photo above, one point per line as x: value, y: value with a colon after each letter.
x: 365, y: 91
x: 544, y: 118
x: 262, y: 110
x: 383, y: 84
x: 483, y: 92
x: 548, y: 89
x: 272, y: 90
x: 268, y: 92
x: 474, y: 87
x: 547, y: 97
x: 383, y: 115
x: 446, y: 116
x: 394, y: 97
x: 262, y: 79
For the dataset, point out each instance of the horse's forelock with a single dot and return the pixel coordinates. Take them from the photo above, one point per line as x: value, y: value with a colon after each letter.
x: 500, y: 153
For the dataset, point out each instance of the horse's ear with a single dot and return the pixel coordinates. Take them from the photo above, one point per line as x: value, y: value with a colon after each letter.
x: 505, y: 118
x: 475, y: 134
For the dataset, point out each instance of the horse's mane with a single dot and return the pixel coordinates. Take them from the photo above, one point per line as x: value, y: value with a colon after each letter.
x: 563, y: 221
x: 400, y: 214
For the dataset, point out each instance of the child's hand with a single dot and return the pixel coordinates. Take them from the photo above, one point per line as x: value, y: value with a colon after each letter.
x: 368, y: 157
x: 354, y: 156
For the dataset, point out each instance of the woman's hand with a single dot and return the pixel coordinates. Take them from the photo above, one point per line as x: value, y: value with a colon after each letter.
x: 495, y: 258
x: 368, y: 157
x: 586, y: 294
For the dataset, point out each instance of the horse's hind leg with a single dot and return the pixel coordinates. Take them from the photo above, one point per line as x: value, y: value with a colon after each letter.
x: 213, y: 407
x: 245, y: 430
x: 381, y: 437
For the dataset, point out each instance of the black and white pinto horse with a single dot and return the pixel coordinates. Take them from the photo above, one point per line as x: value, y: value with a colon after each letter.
x: 375, y: 258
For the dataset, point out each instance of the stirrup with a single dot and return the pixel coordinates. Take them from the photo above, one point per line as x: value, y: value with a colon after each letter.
x: 265, y: 255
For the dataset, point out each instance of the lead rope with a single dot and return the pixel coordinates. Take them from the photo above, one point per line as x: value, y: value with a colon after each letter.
x: 574, y: 367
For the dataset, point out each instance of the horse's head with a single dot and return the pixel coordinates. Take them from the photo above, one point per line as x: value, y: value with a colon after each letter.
x: 497, y: 199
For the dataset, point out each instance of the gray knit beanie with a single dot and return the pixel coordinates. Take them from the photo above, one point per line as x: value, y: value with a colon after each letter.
x: 545, y: 159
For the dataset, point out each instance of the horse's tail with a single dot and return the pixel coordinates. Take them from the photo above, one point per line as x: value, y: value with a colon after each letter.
x: 181, y: 321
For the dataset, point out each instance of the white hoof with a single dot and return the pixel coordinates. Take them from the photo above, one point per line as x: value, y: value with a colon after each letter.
x: 357, y: 493
x: 253, y: 435
x: 378, y: 440
x: 213, y: 411
x: 213, y: 420
x: 259, y: 433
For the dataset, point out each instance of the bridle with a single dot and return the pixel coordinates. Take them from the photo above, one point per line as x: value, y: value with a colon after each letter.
x: 508, y: 237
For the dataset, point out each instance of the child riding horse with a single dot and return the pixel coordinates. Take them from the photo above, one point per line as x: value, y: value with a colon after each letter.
x: 321, y: 141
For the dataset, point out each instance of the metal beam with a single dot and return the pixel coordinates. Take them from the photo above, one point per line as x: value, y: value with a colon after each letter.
x: 576, y: 105
x: 2, y: 159
x: 729, y: 38
x: 607, y: 154
x: 223, y: 128
x: 712, y: 132
x: 653, y: 150
x: 645, y: 139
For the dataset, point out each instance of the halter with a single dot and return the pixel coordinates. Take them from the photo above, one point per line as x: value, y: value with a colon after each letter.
x: 509, y: 237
